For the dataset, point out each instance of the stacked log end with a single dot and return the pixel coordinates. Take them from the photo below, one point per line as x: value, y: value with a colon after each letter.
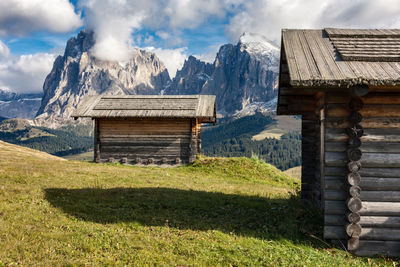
x: 354, y: 204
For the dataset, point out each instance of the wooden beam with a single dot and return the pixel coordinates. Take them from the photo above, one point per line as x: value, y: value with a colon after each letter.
x: 97, y: 141
x: 193, y: 142
x: 374, y: 247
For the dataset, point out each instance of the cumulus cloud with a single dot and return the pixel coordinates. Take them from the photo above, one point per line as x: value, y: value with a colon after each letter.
x: 18, y: 17
x: 362, y: 14
x: 173, y: 59
x: 4, y: 50
x: 268, y: 17
x: 114, y: 22
x: 191, y: 13
x: 26, y: 73
x: 162, y: 24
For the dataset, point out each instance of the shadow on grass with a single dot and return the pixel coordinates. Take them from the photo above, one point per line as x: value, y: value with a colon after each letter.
x: 187, y: 209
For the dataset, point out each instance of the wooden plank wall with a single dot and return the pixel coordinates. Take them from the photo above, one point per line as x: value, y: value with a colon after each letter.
x: 380, y: 172
x: 311, y: 155
x: 295, y: 101
x: 147, y: 141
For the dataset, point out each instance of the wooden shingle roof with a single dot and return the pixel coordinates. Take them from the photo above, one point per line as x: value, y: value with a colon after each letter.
x: 148, y: 106
x: 342, y: 57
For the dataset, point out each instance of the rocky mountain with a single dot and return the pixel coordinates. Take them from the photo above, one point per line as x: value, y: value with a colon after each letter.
x: 242, y: 76
x: 14, y: 105
x: 191, y: 78
x: 77, y: 73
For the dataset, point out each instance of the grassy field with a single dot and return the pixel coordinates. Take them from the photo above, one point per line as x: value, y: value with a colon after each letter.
x: 215, y: 212
x: 86, y: 156
x: 294, y: 172
x: 283, y: 124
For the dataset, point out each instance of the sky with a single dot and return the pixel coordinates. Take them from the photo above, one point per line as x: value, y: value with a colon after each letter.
x: 34, y: 32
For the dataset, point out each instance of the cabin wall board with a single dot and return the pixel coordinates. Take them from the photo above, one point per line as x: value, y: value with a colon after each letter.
x: 380, y: 172
x: 147, y: 141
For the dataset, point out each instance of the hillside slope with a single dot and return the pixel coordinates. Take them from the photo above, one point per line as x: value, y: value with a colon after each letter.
x: 63, y: 141
x: 216, y: 212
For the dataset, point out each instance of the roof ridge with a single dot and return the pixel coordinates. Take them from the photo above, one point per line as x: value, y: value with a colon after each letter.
x: 362, y: 33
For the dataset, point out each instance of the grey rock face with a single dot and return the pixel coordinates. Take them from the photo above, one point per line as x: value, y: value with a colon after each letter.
x: 77, y: 73
x: 191, y: 78
x: 241, y: 74
x: 13, y: 105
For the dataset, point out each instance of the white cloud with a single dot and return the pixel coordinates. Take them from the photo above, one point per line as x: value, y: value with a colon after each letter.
x: 18, y: 17
x: 209, y: 54
x: 173, y: 59
x: 114, y: 22
x: 191, y: 13
x: 268, y: 17
x: 26, y: 73
x: 362, y: 14
x: 4, y: 50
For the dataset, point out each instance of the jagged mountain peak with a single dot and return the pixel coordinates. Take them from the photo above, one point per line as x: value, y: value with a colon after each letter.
x: 83, y: 42
x: 262, y: 49
x: 252, y: 40
x: 240, y: 75
x: 78, y: 73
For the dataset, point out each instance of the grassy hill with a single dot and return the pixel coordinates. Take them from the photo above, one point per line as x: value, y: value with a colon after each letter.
x: 281, y: 125
x: 63, y: 141
x: 215, y: 212
x: 294, y: 172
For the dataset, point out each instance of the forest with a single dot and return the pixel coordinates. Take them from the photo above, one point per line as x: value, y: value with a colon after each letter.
x: 234, y: 139
x: 63, y: 141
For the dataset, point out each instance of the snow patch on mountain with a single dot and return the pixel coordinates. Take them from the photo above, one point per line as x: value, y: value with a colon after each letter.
x: 263, y: 49
x: 266, y: 108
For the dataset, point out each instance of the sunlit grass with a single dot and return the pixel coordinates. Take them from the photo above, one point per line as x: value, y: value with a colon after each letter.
x: 215, y: 212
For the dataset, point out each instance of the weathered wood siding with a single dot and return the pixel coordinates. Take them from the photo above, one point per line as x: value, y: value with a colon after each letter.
x: 147, y: 141
x: 294, y: 101
x: 380, y: 172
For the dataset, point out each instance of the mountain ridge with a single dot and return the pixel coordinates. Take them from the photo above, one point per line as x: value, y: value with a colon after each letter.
x: 243, y: 77
x: 77, y: 73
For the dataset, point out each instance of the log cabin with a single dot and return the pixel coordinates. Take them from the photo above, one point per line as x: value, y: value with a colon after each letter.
x: 147, y: 129
x: 346, y: 86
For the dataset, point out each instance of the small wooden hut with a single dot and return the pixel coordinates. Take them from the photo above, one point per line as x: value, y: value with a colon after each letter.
x: 346, y: 86
x: 147, y: 129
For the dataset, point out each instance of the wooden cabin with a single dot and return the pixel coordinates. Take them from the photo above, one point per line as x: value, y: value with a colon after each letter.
x: 147, y: 129
x: 346, y: 86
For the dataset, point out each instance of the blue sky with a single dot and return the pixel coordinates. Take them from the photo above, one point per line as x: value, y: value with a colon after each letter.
x: 197, y: 40
x: 34, y: 32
